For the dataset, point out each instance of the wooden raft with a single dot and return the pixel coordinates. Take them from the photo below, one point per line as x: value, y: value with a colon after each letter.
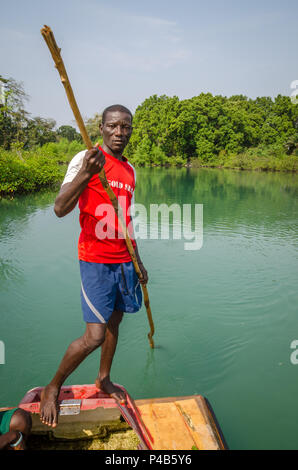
x: 180, y: 423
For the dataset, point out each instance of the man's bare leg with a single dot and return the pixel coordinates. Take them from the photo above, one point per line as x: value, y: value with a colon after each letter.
x: 21, y: 421
x: 75, y: 354
x: 108, y: 349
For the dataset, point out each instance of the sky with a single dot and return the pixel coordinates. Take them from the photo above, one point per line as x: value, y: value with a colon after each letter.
x: 125, y: 51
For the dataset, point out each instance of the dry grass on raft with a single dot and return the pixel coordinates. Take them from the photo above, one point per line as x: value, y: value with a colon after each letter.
x: 122, y: 440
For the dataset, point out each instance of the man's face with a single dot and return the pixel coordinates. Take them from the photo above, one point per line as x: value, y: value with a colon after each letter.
x: 116, y: 130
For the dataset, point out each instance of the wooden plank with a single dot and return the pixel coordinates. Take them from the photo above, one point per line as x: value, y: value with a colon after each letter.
x: 167, y: 426
x: 198, y: 425
x: 146, y: 401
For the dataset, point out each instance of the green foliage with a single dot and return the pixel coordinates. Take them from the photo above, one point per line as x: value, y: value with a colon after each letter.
x: 142, y: 153
x: 60, y: 152
x: 152, y: 122
x: 212, y: 130
x: 17, y: 127
x: 26, y: 171
x: 206, y: 130
x: 264, y: 158
x: 69, y: 133
x: 157, y: 155
x: 26, y: 175
x: 92, y: 126
x: 13, y: 117
x: 39, y: 131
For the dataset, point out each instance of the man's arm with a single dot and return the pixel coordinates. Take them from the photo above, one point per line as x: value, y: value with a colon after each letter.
x: 69, y: 193
x: 8, y: 438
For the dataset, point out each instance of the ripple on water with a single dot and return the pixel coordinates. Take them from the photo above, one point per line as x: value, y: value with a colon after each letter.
x: 224, y: 314
x: 9, y: 271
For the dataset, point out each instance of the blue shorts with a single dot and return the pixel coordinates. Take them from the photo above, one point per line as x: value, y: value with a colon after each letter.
x: 108, y: 287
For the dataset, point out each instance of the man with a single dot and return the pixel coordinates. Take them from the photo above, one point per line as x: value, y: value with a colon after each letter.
x: 15, y: 427
x: 109, y: 282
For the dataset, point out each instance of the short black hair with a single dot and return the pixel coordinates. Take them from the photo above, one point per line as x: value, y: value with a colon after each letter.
x: 115, y: 107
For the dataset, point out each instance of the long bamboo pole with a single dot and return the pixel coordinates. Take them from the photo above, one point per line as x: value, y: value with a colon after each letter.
x: 55, y: 51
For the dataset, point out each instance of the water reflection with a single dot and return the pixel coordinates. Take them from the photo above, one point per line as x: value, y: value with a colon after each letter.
x: 15, y: 217
x: 236, y: 202
x: 225, y: 315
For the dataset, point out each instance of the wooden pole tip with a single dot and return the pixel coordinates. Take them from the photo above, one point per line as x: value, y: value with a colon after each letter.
x: 46, y: 29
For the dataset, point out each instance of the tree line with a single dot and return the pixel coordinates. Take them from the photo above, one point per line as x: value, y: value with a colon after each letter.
x: 206, y: 127
x: 206, y: 130
x: 203, y: 127
x: 18, y: 127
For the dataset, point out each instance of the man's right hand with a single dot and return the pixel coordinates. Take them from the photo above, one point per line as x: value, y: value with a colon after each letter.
x: 94, y: 161
x: 69, y: 193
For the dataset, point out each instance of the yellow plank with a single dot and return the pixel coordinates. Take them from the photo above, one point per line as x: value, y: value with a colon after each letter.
x: 167, y: 426
x: 198, y: 425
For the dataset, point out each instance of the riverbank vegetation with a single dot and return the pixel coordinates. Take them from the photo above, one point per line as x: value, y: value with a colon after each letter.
x: 204, y: 131
x: 29, y: 170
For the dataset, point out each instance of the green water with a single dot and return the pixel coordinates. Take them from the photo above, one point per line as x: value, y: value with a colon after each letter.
x: 225, y: 315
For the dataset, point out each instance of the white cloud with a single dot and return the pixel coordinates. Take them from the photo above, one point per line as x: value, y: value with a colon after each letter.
x: 152, y: 21
x: 132, y: 42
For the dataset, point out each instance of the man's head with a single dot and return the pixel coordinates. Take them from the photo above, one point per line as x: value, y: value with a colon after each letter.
x: 116, y: 128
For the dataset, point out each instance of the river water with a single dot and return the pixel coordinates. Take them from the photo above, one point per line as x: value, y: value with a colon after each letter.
x: 225, y: 314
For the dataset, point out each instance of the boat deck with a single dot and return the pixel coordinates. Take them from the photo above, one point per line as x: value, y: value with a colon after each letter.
x: 173, y: 423
x: 180, y: 423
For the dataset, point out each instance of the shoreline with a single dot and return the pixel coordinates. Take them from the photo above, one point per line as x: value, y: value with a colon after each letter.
x: 56, y: 185
x: 220, y: 167
x: 265, y: 170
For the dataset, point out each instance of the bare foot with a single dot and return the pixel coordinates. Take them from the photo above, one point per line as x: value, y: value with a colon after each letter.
x: 108, y: 387
x: 49, y: 408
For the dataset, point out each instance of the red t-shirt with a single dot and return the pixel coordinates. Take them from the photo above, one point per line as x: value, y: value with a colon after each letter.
x: 101, y: 239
